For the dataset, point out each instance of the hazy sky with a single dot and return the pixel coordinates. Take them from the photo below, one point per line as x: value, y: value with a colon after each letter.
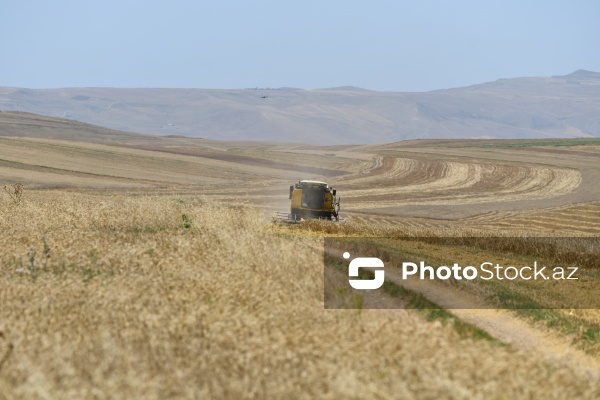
x: 390, y: 45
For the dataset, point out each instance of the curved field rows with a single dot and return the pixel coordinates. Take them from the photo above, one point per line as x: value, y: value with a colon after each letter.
x: 579, y: 218
x: 403, y: 181
x: 424, y: 178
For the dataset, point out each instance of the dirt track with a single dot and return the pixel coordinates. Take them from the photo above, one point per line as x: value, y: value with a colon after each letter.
x: 504, y: 325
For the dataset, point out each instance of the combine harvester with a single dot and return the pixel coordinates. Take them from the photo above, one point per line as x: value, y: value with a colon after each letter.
x: 311, y: 200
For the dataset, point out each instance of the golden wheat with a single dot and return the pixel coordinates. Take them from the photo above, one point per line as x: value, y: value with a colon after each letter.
x: 121, y: 296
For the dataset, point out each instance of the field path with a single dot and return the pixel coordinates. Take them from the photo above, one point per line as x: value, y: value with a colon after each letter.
x: 503, y: 325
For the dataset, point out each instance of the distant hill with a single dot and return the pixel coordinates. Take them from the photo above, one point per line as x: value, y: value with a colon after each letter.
x: 558, y: 106
x: 27, y: 125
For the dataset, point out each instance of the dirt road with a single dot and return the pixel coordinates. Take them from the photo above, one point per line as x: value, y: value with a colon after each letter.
x: 503, y: 325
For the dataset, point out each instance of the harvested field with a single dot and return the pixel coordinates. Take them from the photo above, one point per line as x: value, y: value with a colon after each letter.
x: 570, y: 219
x: 408, y: 181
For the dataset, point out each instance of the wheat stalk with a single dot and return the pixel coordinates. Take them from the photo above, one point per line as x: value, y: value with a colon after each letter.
x: 15, y: 192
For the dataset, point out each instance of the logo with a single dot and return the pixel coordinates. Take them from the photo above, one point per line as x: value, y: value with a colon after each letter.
x: 365, y: 262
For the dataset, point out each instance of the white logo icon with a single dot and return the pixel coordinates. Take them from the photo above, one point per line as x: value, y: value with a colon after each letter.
x: 365, y: 262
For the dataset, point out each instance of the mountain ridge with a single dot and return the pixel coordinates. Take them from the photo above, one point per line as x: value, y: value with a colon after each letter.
x: 528, y: 107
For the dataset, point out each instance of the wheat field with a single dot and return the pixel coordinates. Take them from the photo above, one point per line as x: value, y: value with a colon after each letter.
x: 120, y: 296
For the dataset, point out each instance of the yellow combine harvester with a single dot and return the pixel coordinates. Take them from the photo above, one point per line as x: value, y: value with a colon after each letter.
x: 311, y: 199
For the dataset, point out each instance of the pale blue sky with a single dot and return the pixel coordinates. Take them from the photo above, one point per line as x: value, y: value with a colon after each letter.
x: 391, y: 45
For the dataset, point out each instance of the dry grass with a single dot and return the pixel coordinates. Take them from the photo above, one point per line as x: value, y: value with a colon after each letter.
x: 123, y: 297
x: 15, y: 192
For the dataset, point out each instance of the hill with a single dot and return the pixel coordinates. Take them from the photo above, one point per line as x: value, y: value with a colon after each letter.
x: 537, y: 107
x: 49, y: 152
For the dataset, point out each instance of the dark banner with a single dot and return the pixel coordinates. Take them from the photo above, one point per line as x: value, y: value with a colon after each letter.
x: 462, y: 272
